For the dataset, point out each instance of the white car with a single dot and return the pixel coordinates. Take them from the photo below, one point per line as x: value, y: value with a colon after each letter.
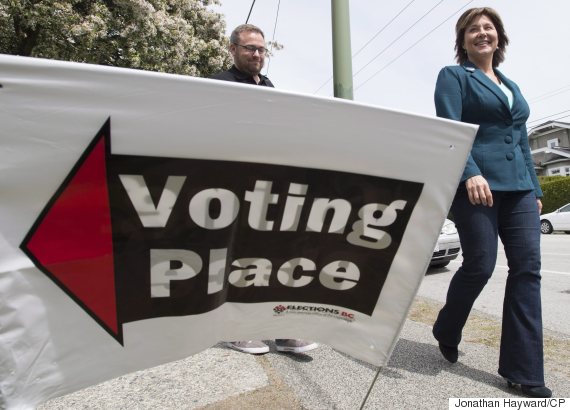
x: 558, y: 220
x: 447, y: 247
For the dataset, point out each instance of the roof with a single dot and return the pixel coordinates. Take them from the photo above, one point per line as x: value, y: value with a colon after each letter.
x: 547, y: 127
x: 544, y: 156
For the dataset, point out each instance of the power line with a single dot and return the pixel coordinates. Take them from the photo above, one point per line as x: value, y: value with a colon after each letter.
x: 552, y: 115
x: 554, y: 119
x: 550, y: 94
x: 559, y: 118
x: 413, y: 45
x: 273, y: 38
x: 397, y: 38
x: 250, y: 9
x: 370, y: 40
x: 383, y: 28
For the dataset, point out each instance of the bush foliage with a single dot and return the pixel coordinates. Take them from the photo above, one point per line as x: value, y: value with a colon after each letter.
x: 556, y: 192
x: 174, y: 36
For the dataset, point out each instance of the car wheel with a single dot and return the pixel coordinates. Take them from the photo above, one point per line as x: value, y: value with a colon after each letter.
x: 545, y: 227
x: 439, y: 265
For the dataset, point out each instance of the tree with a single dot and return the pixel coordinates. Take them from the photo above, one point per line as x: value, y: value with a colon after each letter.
x: 175, y: 36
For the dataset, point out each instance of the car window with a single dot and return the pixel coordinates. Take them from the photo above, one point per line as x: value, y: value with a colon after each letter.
x: 565, y: 208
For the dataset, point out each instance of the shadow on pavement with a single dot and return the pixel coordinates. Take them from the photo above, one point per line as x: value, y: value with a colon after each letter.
x: 423, y: 358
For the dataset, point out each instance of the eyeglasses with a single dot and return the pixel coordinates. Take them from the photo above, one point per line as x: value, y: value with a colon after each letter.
x: 253, y: 49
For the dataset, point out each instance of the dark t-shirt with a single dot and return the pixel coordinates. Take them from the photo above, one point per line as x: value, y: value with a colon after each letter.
x: 235, y: 75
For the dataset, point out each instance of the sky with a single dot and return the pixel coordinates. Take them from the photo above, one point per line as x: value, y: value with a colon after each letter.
x: 406, y: 44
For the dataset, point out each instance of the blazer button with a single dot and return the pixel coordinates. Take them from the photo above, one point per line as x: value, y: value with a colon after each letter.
x: 508, y: 139
x: 510, y: 156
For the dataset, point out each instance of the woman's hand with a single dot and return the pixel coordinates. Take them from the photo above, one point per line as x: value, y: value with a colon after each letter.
x: 478, y: 191
x: 539, y: 203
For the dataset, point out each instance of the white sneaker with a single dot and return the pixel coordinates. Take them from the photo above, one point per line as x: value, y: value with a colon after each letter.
x: 249, y: 346
x: 294, y: 345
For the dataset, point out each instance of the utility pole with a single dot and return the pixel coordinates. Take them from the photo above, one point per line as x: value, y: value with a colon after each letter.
x: 342, y: 55
x: 342, y: 78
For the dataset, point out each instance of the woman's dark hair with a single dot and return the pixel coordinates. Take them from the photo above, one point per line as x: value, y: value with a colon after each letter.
x: 465, y: 21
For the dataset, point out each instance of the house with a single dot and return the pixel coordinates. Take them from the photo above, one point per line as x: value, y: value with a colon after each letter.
x: 550, y: 148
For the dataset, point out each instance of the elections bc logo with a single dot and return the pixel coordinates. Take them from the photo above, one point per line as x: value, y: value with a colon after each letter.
x: 280, y: 310
x: 183, y: 236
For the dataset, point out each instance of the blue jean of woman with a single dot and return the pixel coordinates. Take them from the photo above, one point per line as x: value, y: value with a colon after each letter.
x: 515, y: 219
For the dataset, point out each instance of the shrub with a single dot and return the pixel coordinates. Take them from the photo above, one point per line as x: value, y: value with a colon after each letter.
x: 547, y: 179
x: 556, y: 192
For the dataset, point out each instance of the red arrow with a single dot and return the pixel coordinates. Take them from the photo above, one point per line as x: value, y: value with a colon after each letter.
x: 72, y: 238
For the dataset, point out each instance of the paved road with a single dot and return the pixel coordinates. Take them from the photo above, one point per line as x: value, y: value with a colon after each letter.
x: 416, y: 377
x: 555, y: 283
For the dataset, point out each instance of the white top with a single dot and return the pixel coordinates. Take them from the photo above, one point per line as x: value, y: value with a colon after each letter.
x: 508, y: 93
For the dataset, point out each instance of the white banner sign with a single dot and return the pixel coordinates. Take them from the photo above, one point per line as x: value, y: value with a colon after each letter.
x: 144, y: 217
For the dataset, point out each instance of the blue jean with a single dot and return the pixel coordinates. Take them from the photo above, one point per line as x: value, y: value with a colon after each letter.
x: 515, y: 219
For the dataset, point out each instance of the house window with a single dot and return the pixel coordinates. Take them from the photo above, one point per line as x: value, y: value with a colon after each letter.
x: 555, y: 171
x: 567, y: 171
x: 552, y: 143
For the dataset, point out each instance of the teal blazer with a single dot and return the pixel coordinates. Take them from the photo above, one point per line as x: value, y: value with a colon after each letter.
x: 500, y: 151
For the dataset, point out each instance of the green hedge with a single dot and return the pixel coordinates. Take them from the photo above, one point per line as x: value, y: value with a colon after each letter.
x: 546, y: 180
x: 556, y: 192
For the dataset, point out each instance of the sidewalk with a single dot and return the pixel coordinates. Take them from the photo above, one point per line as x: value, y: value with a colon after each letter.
x: 416, y: 377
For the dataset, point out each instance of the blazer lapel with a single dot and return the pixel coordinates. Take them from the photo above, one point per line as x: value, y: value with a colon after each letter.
x: 488, y: 83
x: 511, y: 86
